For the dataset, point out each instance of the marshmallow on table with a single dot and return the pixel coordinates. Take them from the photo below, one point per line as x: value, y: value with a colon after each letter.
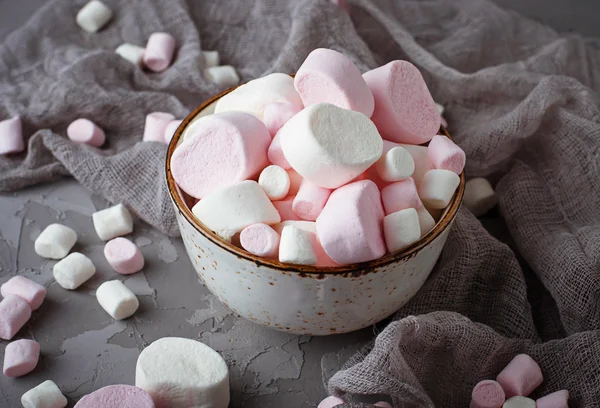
x: 20, y: 357
x: 521, y: 376
x: 400, y: 195
x: 117, y: 300
x: 276, y: 114
x: 123, y: 256
x: 437, y: 188
x: 14, y: 313
x: 327, y: 76
x: 275, y: 182
x: 223, y: 75
x: 480, y: 196
x: 183, y: 373
x: 330, y: 402
x: 330, y: 146
x: 487, y: 394
x: 93, y: 16
x: 112, y: 222
x: 224, y: 149
x: 31, y: 292
x: 296, y: 246
x: 11, y: 136
x: 310, y: 200
x: 285, y: 209
x: 260, y: 240
x: 401, y: 229
x: 211, y: 58
x: 519, y: 402
x: 170, y: 129
x: 55, y: 241
x: 85, y: 131
x: 349, y: 227
x: 233, y: 208
x: 395, y: 164
x: 443, y: 153
x: 132, y: 53
x: 275, y: 153
x: 117, y: 396
x: 45, y: 395
x: 426, y: 221
x: 73, y: 271
x: 155, y: 125
x: 404, y: 109
x: 159, y: 51
x: 558, y: 399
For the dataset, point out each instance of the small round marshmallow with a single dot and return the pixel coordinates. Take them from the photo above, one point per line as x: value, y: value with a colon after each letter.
x: 275, y: 153
x: 558, y: 399
x: 33, y: 293
x: 487, y: 394
x: 123, y: 256
x: 437, y: 188
x: 154, y: 128
x: 327, y: 76
x: 519, y: 402
x: 211, y: 58
x: 395, y: 164
x: 132, y: 53
x: 20, y: 357
x: 426, y: 221
x: 45, y: 395
x: 117, y: 396
x: 310, y: 200
x: 112, y: 222
x: 275, y: 181
x: 159, y: 51
x: 400, y: 195
x: 285, y: 209
x: 296, y: 246
x: 401, y: 229
x: 521, y: 376
x: 480, y: 196
x: 419, y: 155
x: 223, y: 75
x: 276, y: 114
x: 443, y: 153
x: 260, y: 240
x: 85, y: 131
x: 11, y: 136
x: 170, y: 130
x: 330, y: 402
x: 117, y: 300
x: 14, y: 313
x: 73, y: 271
x: 55, y: 241
x: 93, y: 16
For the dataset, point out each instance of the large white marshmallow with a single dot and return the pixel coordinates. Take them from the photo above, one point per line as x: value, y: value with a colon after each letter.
x: 45, y: 395
x: 183, y: 373
x: 93, y: 16
x: 438, y: 187
x: 223, y: 75
x: 401, y: 229
x: 112, y: 222
x: 55, y: 241
x: 296, y: 246
x: 479, y: 196
x: 330, y: 146
x: 275, y: 181
x: 231, y: 209
x: 117, y: 300
x: 73, y: 271
x: 395, y: 164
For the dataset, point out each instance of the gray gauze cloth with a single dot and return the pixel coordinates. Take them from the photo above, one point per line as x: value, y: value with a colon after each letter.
x: 521, y: 100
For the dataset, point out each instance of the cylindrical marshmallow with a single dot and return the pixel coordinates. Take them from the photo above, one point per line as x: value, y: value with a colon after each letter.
x: 521, y: 376
x: 154, y: 128
x: 296, y: 246
x: 159, y: 51
x: 310, y: 200
x: 45, y: 395
x: 285, y: 209
x: 223, y: 75
x: 426, y: 221
x: 277, y: 113
x: 112, y: 222
x: 444, y: 154
x: 558, y: 399
x: 400, y: 195
x: 117, y: 396
x: 487, y: 394
x: 170, y: 130
x: 211, y: 58
x: 519, y: 402
x: 323, y: 260
x: 330, y: 402
x: 395, y: 164
x: 11, y: 136
x: 14, y: 313
x: 93, y: 16
x: 401, y: 229
x: 419, y: 155
x: 85, y: 131
x: 31, y: 292
x: 275, y: 153
x: 73, y: 271
x: 123, y: 256
x: 260, y: 240
x: 20, y: 357
x: 480, y: 196
x: 55, y: 241
x: 437, y: 188
x: 275, y: 182
x: 117, y: 300
x: 132, y: 53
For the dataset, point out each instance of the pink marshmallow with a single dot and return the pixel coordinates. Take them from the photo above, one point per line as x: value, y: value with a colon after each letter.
x: 275, y: 153
x: 260, y: 240
x: 444, y: 154
x: 123, y: 256
x: 520, y: 377
x: 327, y: 76
x: 404, y: 109
x: 170, y: 130
x: 11, y: 136
x: 20, y: 357
x: 14, y: 313
x: 277, y: 113
x: 159, y: 51
x: 295, y: 181
x: 487, y: 394
x: 558, y: 399
x: 225, y: 149
x: 330, y: 402
x: 85, y: 131
x: 400, y: 195
x: 117, y: 396
x: 310, y: 200
x: 154, y: 128
x: 33, y: 293
x: 350, y: 225
x: 284, y: 207
x: 383, y: 404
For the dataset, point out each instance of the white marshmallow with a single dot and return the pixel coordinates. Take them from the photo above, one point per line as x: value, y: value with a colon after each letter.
x: 45, y: 395
x: 394, y: 165
x: 211, y: 58
x: 132, y: 53
x: 419, y: 155
x: 93, y: 16
x: 183, y: 373
x: 440, y: 108
x: 519, y: 402
x: 275, y: 181
x: 401, y: 229
x: 117, y: 300
x: 112, y: 222
x: 73, y: 271
x: 426, y: 221
x: 254, y: 96
x: 438, y: 187
x: 235, y: 207
x: 55, y: 241
x: 330, y: 146
x: 155, y: 126
x: 310, y: 226
x: 480, y: 196
x: 296, y: 246
x: 223, y: 75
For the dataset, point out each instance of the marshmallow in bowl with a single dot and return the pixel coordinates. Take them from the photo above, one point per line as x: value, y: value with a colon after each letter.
x: 437, y: 188
x: 401, y: 229
x: 395, y: 164
x: 310, y: 200
x: 275, y: 153
x: 260, y: 240
x: 275, y: 181
x: 296, y: 246
x: 443, y: 153
x: 426, y: 221
x: 400, y: 195
x: 286, y: 210
x: 276, y: 114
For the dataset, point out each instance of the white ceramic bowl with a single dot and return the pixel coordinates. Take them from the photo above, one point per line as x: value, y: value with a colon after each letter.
x: 304, y: 299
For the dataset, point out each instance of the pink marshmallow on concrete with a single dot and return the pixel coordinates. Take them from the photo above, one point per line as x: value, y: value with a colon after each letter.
x: 558, y: 399
x: 159, y: 51
x: 284, y: 207
x: 276, y: 114
x: 11, y: 136
x: 85, y: 131
x: 117, y: 396
x: 520, y: 377
x: 400, y: 195
x: 30, y: 291
x: 14, y: 313
x: 20, y: 357
x: 487, y: 394
x: 260, y: 240
x: 444, y: 154
x: 123, y: 256
x: 310, y: 200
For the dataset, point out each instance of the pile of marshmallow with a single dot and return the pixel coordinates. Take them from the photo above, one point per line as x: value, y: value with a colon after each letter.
x: 327, y: 168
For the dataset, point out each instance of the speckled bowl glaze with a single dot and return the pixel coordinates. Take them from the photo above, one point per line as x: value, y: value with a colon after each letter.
x: 297, y: 298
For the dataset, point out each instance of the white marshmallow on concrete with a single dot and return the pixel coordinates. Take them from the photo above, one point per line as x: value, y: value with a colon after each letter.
x: 426, y: 221
x: 211, y: 58
x: 296, y: 246
x: 117, y: 300
x: 401, y: 229
x: 55, y: 241
x: 183, y: 373
x: 155, y: 125
x: 480, y: 196
x: 223, y: 75
x: 73, y: 271
x: 159, y: 51
x: 11, y: 136
x: 330, y: 146
x: 112, y: 222
x: 275, y: 182
x: 93, y: 16
x: 132, y: 53
x: 519, y: 402
x: 45, y: 395
x: 395, y: 164
x: 438, y: 187
x: 235, y: 207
